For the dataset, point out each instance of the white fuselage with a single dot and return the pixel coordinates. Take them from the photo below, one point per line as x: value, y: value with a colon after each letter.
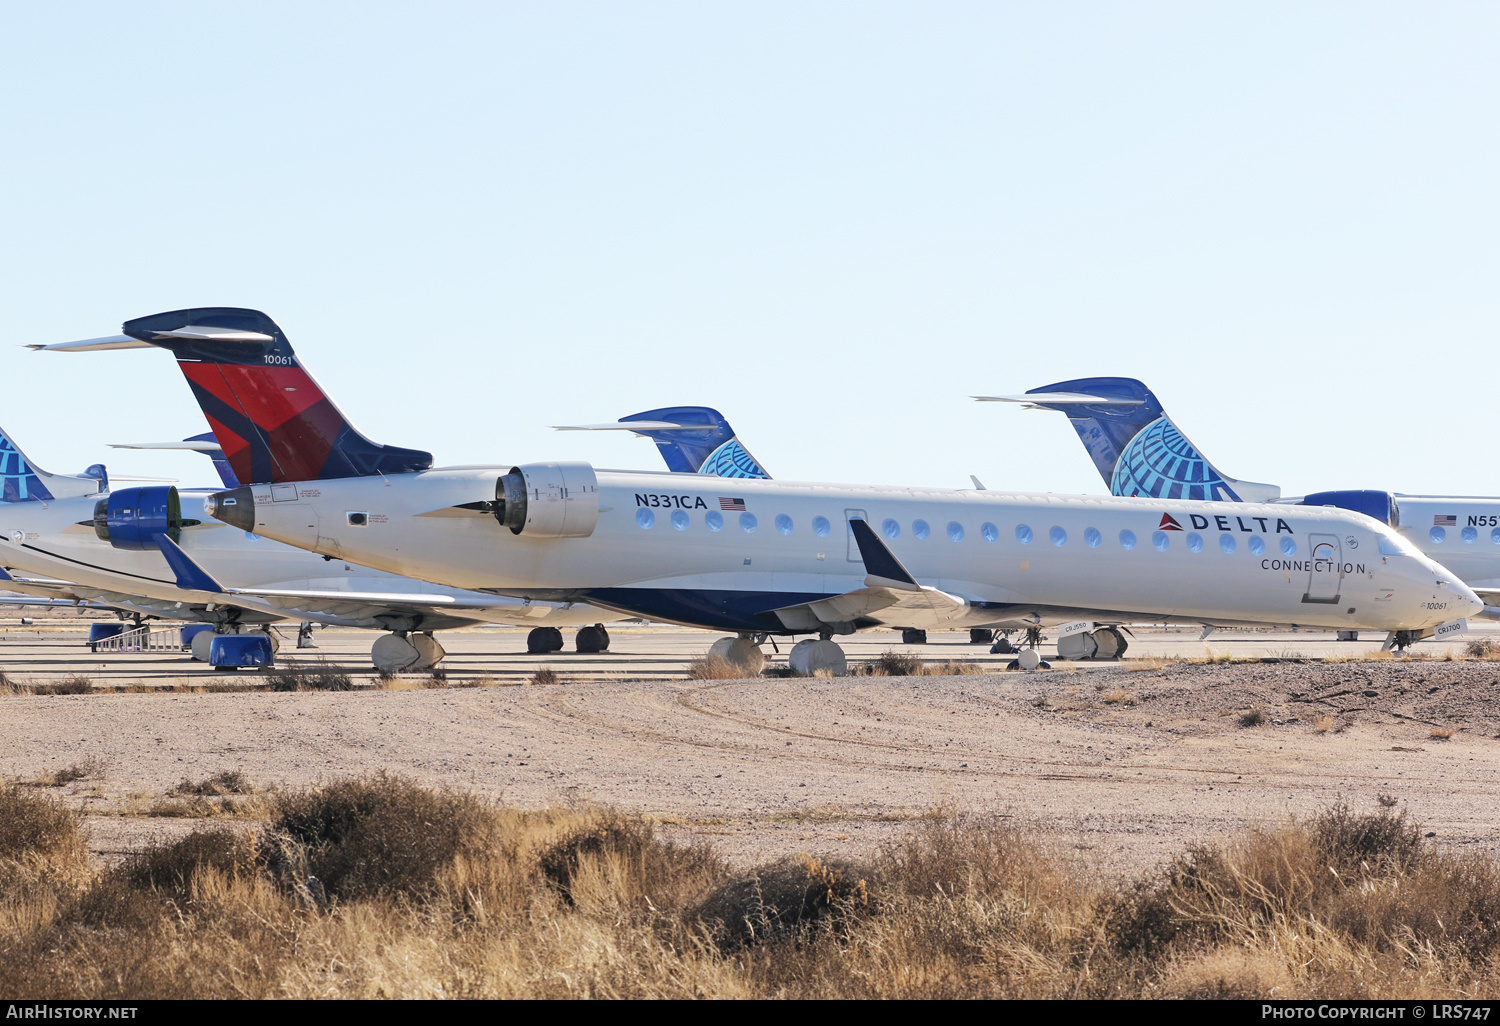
x: 1461, y: 533
x: 654, y: 551
x: 54, y: 539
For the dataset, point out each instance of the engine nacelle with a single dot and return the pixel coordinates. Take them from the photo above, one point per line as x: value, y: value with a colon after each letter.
x: 131, y: 518
x: 1380, y: 505
x: 548, y: 500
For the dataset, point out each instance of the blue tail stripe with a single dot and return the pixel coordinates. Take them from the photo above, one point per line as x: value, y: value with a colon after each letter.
x: 18, y: 481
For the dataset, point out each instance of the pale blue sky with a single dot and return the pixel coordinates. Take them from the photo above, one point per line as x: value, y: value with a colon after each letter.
x: 834, y: 221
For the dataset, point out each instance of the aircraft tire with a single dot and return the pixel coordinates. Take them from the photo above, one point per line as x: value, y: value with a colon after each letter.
x: 981, y: 635
x: 542, y: 640
x: 591, y: 640
x: 741, y: 654
x: 913, y: 636
x: 201, y: 643
x: 392, y: 653
x: 1077, y: 647
x: 1110, y: 643
x: 1002, y: 646
x: 429, y: 651
x: 810, y: 657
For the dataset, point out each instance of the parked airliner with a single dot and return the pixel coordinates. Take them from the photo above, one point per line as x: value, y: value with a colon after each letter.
x: 1138, y: 450
x: 761, y: 557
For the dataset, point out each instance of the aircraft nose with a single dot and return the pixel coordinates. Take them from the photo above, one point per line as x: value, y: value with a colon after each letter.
x: 1469, y: 604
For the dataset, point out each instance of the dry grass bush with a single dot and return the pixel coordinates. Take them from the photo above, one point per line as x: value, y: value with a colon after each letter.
x: 222, y: 782
x: 1323, y: 722
x: 89, y: 767
x: 713, y: 667
x: 1119, y: 696
x: 889, y: 664
x: 1254, y: 717
x: 546, y: 677
x: 380, y: 887
x: 317, y: 677
x: 377, y: 835
x: 1482, y: 648
x: 75, y: 685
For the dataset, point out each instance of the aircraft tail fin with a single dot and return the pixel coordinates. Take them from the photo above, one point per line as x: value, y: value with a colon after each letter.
x: 272, y: 420
x: 691, y: 439
x: 23, y: 481
x: 1135, y: 445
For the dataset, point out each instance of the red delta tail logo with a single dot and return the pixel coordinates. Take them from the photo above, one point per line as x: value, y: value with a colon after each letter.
x: 1168, y: 523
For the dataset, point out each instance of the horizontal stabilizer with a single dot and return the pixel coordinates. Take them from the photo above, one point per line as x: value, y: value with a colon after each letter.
x: 191, y: 446
x: 640, y: 427
x: 1035, y: 400
x: 94, y: 345
x: 208, y: 333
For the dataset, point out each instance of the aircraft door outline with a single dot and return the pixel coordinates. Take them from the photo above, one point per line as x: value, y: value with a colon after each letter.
x: 853, y: 546
x: 1325, y: 572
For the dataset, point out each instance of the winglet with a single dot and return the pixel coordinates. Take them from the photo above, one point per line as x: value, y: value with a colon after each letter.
x: 5, y: 576
x: 190, y: 576
x: 884, y: 570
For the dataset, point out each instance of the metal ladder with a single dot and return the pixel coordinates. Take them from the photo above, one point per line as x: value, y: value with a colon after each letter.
x: 143, y: 639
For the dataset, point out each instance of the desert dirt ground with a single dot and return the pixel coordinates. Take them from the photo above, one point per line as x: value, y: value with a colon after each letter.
x: 1130, y: 761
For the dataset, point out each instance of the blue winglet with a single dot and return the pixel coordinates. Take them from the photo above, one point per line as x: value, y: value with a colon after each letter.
x: 190, y: 576
x: 880, y: 561
x: 5, y: 576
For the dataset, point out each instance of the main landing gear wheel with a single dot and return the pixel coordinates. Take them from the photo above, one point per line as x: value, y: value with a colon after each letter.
x: 393, y: 653
x: 741, y: 653
x: 1030, y: 659
x: 542, y: 640
x: 1077, y: 646
x: 429, y: 652
x: 592, y: 639
x: 1111, y: 643
x: 809, y: 657
x: 981, y: 635
x: 912, y: 636
x: 1002, y: 646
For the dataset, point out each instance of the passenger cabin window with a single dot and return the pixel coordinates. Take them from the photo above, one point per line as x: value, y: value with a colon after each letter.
x: 1092, y: 538
x: 645, y: 518
x: 1438, y: 535
x: 1023, y: 534
x: 1195, y: 542
x: 1059, y: 536
x: 921, y: 530
x: 989, y: 532
x: 748, y: 523
x: 714, y: 520
x: 1470, y: 536
x: 1161, y: 540
x: 821, y: 526
x: 1257, y: 546
x: 1127, y: 539
x: 892, y: 529
x: 783, y: 524
x: 1226, y: 544
x: 679, y: 520
x: 1288, y: 547
x: 955, y: 531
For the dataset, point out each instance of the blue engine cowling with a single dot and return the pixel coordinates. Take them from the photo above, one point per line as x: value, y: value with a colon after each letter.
x: 131, y: 518
x: 1380, y: 505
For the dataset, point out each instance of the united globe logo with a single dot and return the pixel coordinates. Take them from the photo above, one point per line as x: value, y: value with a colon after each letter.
x: 19, y: 483
x: 1160, y: 463
x: 732, y: 460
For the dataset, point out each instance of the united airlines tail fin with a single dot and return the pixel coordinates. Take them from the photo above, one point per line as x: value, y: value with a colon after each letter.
x: 22, y: 481
x: 691, y: 439
x: 1135, y: 445
x: 272, y: 420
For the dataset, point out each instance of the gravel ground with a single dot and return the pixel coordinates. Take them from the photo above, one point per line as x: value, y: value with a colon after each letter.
x: 1131, y: 762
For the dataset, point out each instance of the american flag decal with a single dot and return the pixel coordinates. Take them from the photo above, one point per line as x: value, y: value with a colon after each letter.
x: 732, y: 505
x: 1445, y: 521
